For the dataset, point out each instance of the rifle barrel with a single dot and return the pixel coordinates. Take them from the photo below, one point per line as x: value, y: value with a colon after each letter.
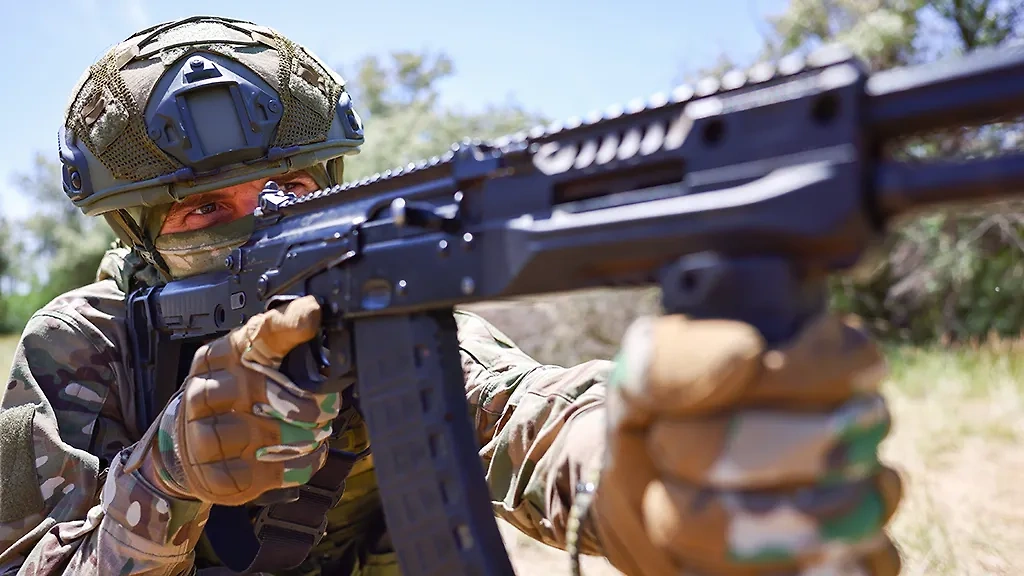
x: 902, y: 188
x: 979, y: 87
x: 984, y: 86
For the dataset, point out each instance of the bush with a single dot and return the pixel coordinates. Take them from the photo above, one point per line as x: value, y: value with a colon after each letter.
x: 945, y: 277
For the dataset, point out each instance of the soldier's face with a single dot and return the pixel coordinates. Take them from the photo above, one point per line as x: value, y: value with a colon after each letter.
x: 228, y: 204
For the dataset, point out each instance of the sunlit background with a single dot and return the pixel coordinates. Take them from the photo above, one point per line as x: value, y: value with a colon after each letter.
x: 948, y: 302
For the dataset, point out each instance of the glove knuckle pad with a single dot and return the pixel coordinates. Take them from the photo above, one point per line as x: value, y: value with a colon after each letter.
x: 281, y: 330
x: 227, y: 478
x: 219, y: 437
x: 219, y: 392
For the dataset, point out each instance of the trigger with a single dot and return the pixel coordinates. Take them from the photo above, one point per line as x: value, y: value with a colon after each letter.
x: 312, y: 367
x: 302, y: 366
x: 318, y: 350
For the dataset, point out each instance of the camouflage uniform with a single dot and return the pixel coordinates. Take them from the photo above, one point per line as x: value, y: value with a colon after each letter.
x: 70, y: 390
x: 716, y: 455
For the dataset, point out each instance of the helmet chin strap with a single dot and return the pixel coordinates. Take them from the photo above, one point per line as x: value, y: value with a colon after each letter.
x: 335, y: 171
x: 322, y: 174
x: 133, y: 234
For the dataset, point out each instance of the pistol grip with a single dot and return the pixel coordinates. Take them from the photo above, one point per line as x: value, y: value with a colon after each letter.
x: 770, y: 293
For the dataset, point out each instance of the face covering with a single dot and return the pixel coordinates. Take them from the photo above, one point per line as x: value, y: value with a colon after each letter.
x: 191, y: 253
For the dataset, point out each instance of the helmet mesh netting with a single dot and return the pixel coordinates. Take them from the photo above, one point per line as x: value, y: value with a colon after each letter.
x: 307, y: 108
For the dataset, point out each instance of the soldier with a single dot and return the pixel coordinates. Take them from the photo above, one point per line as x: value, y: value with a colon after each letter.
x: 689, y: 479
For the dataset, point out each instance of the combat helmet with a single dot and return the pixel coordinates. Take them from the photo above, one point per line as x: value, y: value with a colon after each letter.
x: 194, y: 105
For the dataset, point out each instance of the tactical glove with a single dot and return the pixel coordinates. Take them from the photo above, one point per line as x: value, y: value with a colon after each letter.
x: 725, y: 457
x: 239, y: 427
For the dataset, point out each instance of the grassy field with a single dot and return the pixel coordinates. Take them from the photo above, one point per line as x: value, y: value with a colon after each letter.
x: 958, y: 432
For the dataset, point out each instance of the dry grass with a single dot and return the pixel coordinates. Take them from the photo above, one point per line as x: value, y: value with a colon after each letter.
x: 958, y: 431
x: 957, y: 437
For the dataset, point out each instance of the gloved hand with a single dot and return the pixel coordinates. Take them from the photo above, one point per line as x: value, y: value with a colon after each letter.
x: 724, y: 457
x: 239, y: 427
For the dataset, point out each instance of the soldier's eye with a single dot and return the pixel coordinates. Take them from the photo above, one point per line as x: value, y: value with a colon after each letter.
x: 205, y: 209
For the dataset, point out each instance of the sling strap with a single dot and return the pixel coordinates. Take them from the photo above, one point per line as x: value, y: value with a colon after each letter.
x: 283, y: 533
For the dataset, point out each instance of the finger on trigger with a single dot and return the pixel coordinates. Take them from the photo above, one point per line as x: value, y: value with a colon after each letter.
x: 691, y: 367
x: 269, y: 336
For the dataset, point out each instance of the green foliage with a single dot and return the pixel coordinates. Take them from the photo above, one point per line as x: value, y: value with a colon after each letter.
x: 948, y: 276
x: 981, y: 22
x: 404, y: 121
x: 882, y: 32
x: 8, y: 259
x: 54, y: 250
x: 409, y: 78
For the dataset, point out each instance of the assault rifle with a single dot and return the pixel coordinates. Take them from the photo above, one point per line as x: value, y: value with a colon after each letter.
x: 738, y: 197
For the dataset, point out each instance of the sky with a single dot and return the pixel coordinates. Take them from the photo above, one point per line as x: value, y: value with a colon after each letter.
x: 561, y: 58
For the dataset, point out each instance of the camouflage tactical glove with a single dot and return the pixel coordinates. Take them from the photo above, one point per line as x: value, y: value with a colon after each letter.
x: 239, y: 427
x: 724, y: 457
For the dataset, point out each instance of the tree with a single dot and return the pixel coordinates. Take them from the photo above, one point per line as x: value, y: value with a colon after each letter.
x: 409, y: 79
x: 948, y: 275
x: 60, y: 234
x: 398, y: 99
x: 9, y: 258
x: 882, y: 32
x: 59, y: 248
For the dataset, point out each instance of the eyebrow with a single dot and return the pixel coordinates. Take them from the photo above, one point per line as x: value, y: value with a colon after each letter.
x: 202, y: 198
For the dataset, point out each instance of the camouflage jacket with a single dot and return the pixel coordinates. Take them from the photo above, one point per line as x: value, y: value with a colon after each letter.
x: 66, y: 426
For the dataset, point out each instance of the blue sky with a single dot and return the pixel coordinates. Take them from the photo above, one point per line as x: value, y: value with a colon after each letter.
x: 560, y: 57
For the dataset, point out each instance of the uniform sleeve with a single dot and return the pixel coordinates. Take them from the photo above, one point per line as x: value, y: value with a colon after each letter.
x: 540, y: 428
x: 66, y: 507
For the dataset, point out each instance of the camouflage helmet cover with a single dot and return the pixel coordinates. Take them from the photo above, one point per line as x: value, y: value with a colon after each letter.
x: 195, y: 105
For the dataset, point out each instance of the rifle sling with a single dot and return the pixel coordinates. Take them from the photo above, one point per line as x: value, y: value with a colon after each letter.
x: 283, y: 533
